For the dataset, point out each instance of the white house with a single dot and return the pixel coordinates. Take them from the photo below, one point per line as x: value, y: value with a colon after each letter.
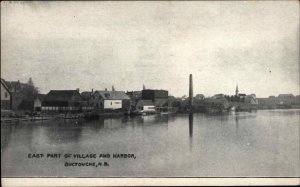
x: 110, y: 100
x: 145, y: 106
x: 5, y: 96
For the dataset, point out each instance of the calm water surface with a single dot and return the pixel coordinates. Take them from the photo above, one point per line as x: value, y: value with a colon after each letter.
x: 263, y: 143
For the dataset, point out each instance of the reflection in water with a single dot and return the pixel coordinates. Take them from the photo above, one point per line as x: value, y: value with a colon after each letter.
x: 153, y: 119
x: 64, y: 132
x: 96, y: 125
x: 236, y: 117
x: 6, y: 133
x: 191, y: 121
x: 164, y: 145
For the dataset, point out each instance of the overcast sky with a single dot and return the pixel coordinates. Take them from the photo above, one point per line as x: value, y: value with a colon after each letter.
x: 69, y: 45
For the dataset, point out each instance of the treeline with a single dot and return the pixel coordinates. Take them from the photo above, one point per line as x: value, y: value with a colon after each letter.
x: 234, y: 98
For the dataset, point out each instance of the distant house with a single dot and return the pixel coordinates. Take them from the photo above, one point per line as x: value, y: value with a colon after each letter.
x: 242, y: 95
x: 286, y: 99
x: 16, y: 89
x: 145, y: 106
x: 86, y: 95
x: 111, y: 100
x: 199, y: 97
x: 297, y: 100
x: 251, y: 99
x: 158, y: 97
x: 286, y: 96
x: 88, y: 100
x: 6, y: 98
x: 38, y: 102
x: 267, y: 103
x: 218, y: 96
x: 16, y: 86
x: 62, y: 100
x: 134, y: 95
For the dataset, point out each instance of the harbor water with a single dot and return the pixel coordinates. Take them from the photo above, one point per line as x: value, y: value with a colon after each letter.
x: 264, y: 143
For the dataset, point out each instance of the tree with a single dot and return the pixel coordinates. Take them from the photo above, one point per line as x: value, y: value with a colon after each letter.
x: 30, y: 82
x: 30, y: 91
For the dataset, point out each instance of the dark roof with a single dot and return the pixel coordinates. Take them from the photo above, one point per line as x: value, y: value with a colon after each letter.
x: 61, y: 95
x: 216, y: 96
x: 86, y: 95
x: 286, y: 95
x: 113, y: 95
x: 14, y: 84
x: 146, y: 102
x: 4, y: 84
x: 155, y: 90
x: 134, y: 93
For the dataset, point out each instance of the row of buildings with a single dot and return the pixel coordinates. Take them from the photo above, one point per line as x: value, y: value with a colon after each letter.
x: 14, y: 98
x: 281, y: 101
x: 74, y: 101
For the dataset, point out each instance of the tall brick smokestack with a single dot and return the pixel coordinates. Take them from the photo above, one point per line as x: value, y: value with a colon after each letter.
x: 191, y: 92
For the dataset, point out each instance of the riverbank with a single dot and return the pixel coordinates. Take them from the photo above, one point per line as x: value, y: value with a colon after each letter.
x: 94, y: 116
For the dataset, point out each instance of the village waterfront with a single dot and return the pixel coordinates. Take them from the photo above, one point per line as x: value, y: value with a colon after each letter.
x: 254, y: 144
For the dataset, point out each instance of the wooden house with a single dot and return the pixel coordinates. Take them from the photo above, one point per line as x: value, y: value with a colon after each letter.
x: 62, y: 101
x: 6, y: 98
x: 111, y: 100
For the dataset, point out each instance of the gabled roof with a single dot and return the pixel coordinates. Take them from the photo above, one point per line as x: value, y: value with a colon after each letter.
x: 86, y: 95
x: 14, y: 84
x: 112, y: 95
x: 3, y: 82
x: 61, y: 95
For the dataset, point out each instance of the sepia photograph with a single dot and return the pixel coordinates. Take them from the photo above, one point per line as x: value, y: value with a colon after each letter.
x: 150, y: 93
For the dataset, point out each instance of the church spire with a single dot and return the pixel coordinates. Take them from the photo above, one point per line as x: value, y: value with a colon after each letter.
x: 237, y: 90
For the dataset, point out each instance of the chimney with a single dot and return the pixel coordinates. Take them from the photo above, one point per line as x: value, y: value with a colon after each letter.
x: 77, y: 89
x: 191, y: 92
x: 105, y: 89
x: 92, y: 90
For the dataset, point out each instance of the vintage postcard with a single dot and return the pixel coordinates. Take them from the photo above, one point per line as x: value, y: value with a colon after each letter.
x: 150, y: 93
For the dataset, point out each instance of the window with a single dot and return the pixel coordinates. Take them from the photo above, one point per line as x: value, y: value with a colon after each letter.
x: 6, y: 95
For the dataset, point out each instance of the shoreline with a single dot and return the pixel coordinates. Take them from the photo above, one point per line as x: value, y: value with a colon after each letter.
x: 80, y: 116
